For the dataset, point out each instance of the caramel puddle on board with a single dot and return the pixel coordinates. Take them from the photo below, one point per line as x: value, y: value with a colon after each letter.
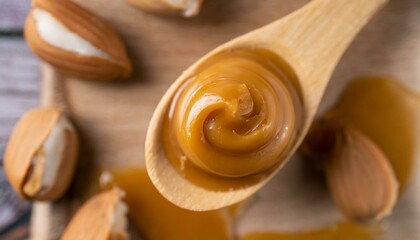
x: 155, y: 218
x: 386, y: 112
x: 343, y: 231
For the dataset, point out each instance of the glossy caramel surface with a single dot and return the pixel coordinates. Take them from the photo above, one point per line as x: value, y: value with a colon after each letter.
x: 235, y: 118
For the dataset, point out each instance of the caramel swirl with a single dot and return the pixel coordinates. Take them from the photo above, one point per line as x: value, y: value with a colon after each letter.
x: 236, y: 116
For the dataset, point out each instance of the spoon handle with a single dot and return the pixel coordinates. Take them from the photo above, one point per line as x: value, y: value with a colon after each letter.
x: 322, y: 30
x: 314, y: 38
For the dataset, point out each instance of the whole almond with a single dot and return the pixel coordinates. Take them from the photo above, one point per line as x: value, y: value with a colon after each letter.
x: 75, y: 41
x: 360, y: 177
x: 41, y: 155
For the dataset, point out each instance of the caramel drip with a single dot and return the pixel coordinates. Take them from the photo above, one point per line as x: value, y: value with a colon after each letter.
x: 343, y: 231
x: 236, y: 116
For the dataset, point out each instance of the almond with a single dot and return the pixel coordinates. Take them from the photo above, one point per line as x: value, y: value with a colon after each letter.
x: 101, y: 217
x: 75, y: 41
x: 360, y: 177
x: 41, y: 155
x: 186, y: 8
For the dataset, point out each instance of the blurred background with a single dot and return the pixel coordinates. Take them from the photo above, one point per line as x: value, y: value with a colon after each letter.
x: 19, y: 91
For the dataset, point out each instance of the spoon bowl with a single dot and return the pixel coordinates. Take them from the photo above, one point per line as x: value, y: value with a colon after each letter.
x: 311, y: 41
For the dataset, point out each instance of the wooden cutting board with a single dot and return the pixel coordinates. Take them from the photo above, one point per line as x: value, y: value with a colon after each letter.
x: 112, y: 118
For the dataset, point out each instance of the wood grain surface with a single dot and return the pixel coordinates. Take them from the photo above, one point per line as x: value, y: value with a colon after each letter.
x: 19, y: 83
x: 19, y: 92
x: 112, y: 118
x: 12, y: 15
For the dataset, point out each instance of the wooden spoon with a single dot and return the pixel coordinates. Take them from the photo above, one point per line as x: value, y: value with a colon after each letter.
x: 311, y: 40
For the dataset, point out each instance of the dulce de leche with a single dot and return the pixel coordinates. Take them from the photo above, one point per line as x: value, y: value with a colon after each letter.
x: 237, y: 116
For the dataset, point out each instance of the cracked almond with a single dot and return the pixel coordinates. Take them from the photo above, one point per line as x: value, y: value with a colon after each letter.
x: 101, y: 217
x: 41, y: 155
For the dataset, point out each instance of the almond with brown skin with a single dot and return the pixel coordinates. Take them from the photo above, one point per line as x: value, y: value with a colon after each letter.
x: 360, y: 177
x: 41, y: 155
x: 186, y: 8
x: 75, y: 41
x: 102, y: 217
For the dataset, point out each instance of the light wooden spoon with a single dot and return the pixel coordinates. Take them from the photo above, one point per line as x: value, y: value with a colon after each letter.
x: 311, y: 40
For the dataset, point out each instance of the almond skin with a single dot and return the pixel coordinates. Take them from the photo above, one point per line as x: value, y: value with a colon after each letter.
x: 186, y: 8
x: 88, y: 27
x: 360, y: 177
x: 27, y: 143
